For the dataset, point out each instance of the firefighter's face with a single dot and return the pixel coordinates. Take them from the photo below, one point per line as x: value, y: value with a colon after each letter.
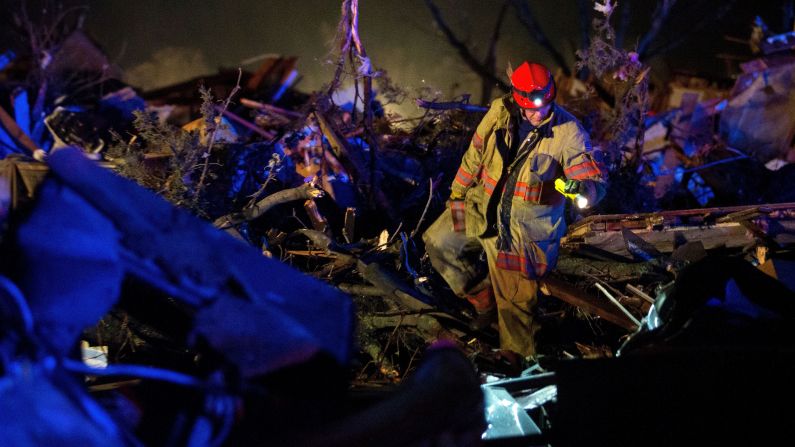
x: 537, y: 116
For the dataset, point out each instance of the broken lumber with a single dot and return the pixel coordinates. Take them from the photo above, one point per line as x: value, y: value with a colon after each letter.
x: 578, y: 297
x: 269, y: 108
x: 248, y: 125
x: 713, y: 227
x: 352, y: 161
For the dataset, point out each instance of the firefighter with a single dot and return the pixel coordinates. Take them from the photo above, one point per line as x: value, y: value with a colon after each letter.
x: 504, y: 196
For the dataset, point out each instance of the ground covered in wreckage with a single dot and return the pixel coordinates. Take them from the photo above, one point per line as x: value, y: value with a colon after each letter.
x: 240, y: 176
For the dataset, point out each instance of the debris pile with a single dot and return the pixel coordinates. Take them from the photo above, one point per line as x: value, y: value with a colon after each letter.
x: 271, y: 254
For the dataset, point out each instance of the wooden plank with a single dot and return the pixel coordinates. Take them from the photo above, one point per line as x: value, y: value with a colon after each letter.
x: 578, y: 297
x: 676, y: 215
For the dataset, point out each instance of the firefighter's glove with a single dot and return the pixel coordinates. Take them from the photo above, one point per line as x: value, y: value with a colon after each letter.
x: 573, y: 187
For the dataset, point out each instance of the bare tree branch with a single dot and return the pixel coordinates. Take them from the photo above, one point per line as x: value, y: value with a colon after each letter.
x: 661, y: 14
x: 366, y: 73
x: 584, y: 8
x: 529, y: 21
x: 351, y: 47
x: 623, y: 24
x: 463, y: 50
x: 344, y: 36
x: 213, y: 127
x: 692, y: 30
x: 491, y: 59
x: 787, y: 15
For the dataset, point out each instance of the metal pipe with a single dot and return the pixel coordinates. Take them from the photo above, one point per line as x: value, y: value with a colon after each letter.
x: 523, y: 383
x: 640, y: 293
x: 620, y: 307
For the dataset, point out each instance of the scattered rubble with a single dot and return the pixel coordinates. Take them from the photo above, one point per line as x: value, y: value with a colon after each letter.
x: 270, y: 255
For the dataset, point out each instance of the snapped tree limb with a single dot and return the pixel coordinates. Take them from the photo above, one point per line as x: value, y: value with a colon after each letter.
x: 303, y: 192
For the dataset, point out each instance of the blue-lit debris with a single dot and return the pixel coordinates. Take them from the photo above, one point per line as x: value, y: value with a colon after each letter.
x: 737, y: 303
x: 40, y: 407
x: 22, y: 111
x: 538, y: 398
x: 73, y: 276
x: 6, y: 58
x: 108, y: 226
x: 638, y: 247
x: 505, y: 417
x: 7, y: 144
x: 285, y: 84
x: 124, y: 102
x: 700, y: 190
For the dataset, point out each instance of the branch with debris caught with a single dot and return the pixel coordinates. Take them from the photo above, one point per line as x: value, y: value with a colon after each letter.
x: 628, y: 77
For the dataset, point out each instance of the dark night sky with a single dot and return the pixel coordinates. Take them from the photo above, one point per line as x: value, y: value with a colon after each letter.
x: 159, y: 42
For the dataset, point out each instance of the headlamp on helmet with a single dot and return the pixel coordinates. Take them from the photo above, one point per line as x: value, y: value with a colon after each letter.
x: 533, y: 86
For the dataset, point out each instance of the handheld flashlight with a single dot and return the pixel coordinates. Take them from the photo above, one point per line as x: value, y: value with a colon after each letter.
x: 579, y: 200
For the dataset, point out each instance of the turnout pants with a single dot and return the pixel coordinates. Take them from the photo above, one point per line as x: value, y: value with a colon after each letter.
x: 458, y: 259
x: 515, y: 296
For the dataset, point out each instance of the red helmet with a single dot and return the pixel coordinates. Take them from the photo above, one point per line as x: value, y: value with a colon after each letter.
x: 533, y: 85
